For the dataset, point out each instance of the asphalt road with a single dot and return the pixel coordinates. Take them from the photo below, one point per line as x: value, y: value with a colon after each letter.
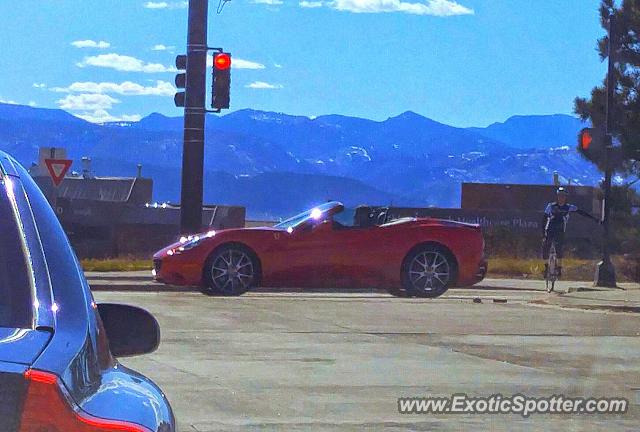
x: 300, y: 361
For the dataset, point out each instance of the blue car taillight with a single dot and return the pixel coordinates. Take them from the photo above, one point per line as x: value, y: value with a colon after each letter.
x: 48, y: 407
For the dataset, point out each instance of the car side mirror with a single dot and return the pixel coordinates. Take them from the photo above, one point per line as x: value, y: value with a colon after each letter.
x: 131, y: 330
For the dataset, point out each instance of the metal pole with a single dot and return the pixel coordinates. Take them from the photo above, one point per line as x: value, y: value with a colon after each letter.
x: 54, y: 195
x: 194, y: 119
x: 605, y: 273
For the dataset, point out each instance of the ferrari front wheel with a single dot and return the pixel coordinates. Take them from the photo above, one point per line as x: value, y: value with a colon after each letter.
x: 428, y: 271
x: 231, y: 270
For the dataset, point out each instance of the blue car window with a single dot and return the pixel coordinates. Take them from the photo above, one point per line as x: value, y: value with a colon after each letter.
x: 15, y: 288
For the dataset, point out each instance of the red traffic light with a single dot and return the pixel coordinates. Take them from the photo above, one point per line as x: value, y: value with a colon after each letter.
x: 222, y: 61
x: 592, y: 144
x: 585, y: 139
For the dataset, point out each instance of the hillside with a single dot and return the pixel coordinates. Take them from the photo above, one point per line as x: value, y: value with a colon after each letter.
x: 275, y: 162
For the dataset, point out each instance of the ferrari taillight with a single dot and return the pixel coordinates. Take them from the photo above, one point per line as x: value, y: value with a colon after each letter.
x: 48, y: 408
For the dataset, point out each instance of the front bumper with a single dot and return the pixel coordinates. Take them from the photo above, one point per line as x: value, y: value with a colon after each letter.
x: 184, y: 269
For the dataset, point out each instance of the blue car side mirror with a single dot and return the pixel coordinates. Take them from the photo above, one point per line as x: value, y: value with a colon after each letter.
x: 131, y: 330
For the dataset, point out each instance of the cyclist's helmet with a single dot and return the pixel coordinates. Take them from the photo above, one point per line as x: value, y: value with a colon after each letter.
x: 562, y: 191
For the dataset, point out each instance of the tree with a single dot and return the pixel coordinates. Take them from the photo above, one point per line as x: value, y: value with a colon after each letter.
x: 626, y: 238
x: 626, y: 106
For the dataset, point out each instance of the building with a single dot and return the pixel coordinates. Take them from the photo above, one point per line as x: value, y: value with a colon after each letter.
x: 115, y: 216
x: 513, y: 214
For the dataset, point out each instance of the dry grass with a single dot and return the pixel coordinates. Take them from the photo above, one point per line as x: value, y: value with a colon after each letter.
x: 532, y: 268
x: 572, y: 268
x: 116, y: 264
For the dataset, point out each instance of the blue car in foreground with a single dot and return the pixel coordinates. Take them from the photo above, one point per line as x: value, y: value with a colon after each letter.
x: 58, y: 370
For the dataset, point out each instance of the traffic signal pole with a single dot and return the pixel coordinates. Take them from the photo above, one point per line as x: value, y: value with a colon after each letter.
x: 605, y: 272
x: 194, y: 119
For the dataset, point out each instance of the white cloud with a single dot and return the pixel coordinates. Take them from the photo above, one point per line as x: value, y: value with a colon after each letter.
x: 237, y: 63
x: 426, y: 7
x: 269, y: 2
x: 88, y: 43
x: 160, y: 47
x: 277, y: 65
x: 103, y: 116
x: 156, y: 5
x: 263, y: 85
x: 10, y: 102
x: 33, y: 104
x: 127, y: 88
x: 94, y: 107
x: 245, y: 64
x: 166, y: 5
x: 87, y: 102
x: 311, y: 4
x: 124, y: 63
x: 39, y: 85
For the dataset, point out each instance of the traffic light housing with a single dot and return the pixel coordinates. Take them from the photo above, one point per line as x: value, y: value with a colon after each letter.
x: 221, y: 81
x: 592, y: 143
x: 181, y: 80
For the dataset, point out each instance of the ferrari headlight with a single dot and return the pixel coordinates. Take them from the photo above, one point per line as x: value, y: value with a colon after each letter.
x: 191, y: 243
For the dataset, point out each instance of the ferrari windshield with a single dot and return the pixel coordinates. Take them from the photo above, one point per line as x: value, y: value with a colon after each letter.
x: 315, y: 213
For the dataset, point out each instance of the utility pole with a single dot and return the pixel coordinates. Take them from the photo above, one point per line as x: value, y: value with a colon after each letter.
x: 605, y: 272
x: 194, y: 119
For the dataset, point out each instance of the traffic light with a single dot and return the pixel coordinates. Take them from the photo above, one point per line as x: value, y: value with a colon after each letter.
x: 592, y: 143
x: 181, y: 80
x: 221, y: 81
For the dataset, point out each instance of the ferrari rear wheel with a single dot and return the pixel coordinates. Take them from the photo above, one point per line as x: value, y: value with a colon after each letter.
x: 428, y: 271
x: 231, y: 271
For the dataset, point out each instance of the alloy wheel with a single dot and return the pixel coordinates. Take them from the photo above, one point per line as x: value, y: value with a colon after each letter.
x: 232, y: 271
x: 429, y: 271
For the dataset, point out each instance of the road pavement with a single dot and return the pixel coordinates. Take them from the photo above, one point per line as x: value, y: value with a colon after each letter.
x: 338, y: 360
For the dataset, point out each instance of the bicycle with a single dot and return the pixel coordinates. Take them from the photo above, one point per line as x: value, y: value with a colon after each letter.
x: 552, y: 275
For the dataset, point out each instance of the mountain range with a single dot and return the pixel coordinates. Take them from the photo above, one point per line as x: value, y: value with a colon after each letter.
x: 276, y: 164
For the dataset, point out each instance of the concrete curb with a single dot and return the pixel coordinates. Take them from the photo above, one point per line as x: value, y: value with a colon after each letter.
x: 139, y: 287
x: 102, y: 285
x: 145, y: 278
x: 606, y: 308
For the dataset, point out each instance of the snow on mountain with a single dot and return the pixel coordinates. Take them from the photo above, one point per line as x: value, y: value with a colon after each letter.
x: 408, y: 159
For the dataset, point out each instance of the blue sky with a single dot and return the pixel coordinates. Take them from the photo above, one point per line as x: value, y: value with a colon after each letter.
x: 465, y: 63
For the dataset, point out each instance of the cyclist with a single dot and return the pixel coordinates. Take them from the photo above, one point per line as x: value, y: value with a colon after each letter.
x: 556, y: 216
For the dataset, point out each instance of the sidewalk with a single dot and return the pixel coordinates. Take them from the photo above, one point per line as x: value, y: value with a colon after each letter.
x: 582, y: 295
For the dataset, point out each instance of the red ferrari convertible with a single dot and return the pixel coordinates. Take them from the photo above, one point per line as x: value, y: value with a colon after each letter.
x: 330, y: 247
